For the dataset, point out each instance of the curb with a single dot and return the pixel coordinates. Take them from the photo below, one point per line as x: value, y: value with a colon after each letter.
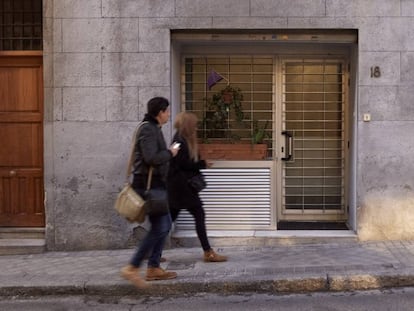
x: 338, y: 283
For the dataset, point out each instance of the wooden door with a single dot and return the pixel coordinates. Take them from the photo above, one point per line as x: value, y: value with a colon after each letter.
x: 21, y: 139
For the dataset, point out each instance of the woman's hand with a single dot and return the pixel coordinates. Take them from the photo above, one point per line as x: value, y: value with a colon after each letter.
x: 174, y: 150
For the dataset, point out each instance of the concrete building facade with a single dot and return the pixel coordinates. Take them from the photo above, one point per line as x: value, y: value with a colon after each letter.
x: 103, y: 59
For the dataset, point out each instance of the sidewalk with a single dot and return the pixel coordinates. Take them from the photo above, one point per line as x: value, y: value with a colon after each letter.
x: 280, y: 269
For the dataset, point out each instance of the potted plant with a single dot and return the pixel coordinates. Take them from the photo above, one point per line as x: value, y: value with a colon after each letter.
x: 259, y: 133
x: 223, y: 107
x: 221, y: 141
x: 234, y: 152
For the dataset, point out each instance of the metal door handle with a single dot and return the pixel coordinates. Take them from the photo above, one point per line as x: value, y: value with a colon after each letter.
x: 289, y: 146
x: 12, y: 173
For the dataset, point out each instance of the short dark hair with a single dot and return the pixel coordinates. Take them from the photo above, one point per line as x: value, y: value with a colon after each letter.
x: 157, y: 104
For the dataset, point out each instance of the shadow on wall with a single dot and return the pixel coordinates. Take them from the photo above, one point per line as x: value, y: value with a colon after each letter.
x: 387, y: 216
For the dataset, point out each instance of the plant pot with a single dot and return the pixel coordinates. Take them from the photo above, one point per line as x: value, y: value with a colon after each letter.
x: 235, y: 152
x: 227, y: 97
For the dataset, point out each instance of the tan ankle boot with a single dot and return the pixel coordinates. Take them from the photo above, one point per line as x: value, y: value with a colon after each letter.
x: 212, y: 256
x: 159, y: 274
x: 131, y: 274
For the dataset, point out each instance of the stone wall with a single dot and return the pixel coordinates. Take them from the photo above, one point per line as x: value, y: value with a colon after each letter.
x: 104, y: 59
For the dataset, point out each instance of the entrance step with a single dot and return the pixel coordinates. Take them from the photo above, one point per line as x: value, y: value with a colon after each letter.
x: 311, y: 225
x: 18, y: 241
x: 22, y: 233
x: 187, y: 238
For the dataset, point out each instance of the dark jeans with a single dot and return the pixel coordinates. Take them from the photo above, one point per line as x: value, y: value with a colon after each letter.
x: 154, y: 240
x: 200, y: 223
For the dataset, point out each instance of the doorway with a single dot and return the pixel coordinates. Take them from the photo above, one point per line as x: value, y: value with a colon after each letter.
x: 299, y: 93
x: 21, y: 132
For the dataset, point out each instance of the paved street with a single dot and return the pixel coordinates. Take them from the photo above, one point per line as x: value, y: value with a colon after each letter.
x: 278, y: 269
x: 386, y: 300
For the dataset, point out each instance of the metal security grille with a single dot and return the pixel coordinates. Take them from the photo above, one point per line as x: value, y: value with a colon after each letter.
x: 234, y: 199
x: 313, y: 118
x: 254, y: 75
x: 20, y: 25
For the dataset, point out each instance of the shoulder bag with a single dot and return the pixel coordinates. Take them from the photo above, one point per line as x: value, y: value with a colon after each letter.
x: 197, y: 182
x: 128, y: 203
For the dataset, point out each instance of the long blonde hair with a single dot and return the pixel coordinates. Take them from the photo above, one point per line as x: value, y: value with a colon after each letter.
x: 186, y: 125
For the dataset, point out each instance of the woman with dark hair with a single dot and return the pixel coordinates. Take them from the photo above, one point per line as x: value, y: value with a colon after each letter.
x: 182, y: 167
x: 151, y: 151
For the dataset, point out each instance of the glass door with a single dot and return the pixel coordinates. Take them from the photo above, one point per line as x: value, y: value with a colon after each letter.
x: 313, y: 129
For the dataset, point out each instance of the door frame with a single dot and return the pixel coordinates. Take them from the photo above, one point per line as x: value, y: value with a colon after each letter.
x: 337, y: 44
x: 311, y: 215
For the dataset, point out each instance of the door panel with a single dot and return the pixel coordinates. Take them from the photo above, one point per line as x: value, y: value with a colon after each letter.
x: 20, y: 144
x: 313, y: 118
x: 21, y: 132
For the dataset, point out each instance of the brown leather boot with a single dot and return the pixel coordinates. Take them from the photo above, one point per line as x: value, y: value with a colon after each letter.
x: 131, y: 274
x: 159, y: 274
x: 212, y: 256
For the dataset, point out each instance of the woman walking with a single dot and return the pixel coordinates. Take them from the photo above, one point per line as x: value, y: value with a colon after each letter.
x: 182, y: 167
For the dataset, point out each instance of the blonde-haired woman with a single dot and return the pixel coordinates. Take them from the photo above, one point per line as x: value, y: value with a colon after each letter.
x: 182, y: 167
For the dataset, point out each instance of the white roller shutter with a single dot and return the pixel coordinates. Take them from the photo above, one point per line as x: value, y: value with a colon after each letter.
x: 235, y: 198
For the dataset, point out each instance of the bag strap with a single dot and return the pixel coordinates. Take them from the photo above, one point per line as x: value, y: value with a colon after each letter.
x: 149, y: 178
x: 132, y: 156
x: 132, y: 153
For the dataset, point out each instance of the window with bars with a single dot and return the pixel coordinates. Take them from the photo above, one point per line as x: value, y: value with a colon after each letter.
x: 20, y: 25
x: 251, y: 78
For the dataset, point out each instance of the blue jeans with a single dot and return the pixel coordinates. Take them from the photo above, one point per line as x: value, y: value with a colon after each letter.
x: 154, y: 240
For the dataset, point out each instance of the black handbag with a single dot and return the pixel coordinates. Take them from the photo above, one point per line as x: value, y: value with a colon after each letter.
x: 197, y: 182
x: 156, y: 199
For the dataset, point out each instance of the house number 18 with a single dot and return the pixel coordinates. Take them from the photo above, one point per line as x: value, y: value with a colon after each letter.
x: 375, y: 72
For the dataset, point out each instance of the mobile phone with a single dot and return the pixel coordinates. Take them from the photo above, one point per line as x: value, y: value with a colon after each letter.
x: 176, y: 145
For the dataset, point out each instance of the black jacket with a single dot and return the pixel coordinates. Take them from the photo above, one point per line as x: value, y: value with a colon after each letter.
x: 182, y: 167
x: 150, y: 150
